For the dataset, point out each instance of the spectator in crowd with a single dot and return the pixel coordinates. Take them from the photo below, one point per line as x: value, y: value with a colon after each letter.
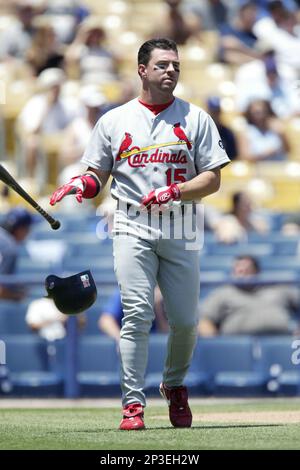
x: 242, y: 220
x: 66, y: 15
x: 46, y: 113
x: 273, y: 83
x: 282, y: 95
x: 15, y: 229
x: 78, y: 133
x: 177, y: 24
x: 250, y: 309
x: 45, y: 51
x: 279, y: 29
x: 226, y: 134
x: 110, y: 320
x: 263, y: 138
x: 88, y: 57
x: 43, y: 318
x: 238, y: 39
x: 75, y: 140
x: 16, y: 38
x: 213, y: 14
x: 291, y: 225
x: 47, y: 321
x: 264, y: 5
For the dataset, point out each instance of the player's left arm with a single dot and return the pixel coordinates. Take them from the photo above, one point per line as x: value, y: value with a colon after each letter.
x: 201, y: 185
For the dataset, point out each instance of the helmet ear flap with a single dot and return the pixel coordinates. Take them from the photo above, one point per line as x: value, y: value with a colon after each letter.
x: 51, y: 284
x: 74, y: 294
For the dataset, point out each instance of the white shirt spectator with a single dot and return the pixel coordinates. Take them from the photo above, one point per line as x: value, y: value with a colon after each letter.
x: 54, y: 120
x: 14, y: 41
x: 264, y: 142
x: 284, y: 98
x: 43, y: 316
x: 286, y: 46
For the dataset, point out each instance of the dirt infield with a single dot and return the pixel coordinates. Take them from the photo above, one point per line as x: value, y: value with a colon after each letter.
x: 103, y: 402
x: 261, y: 417
x: 258, y: 416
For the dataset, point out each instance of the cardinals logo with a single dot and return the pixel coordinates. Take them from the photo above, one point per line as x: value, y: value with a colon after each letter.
x: 125, y: 144
x: 154, y: 153
x: 179, y: 132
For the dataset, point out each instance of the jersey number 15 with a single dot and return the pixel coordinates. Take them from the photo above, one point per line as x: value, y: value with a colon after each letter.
x: 175, y: 175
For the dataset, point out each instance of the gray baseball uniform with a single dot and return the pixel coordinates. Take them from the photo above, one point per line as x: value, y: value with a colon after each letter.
x: 144, y: 152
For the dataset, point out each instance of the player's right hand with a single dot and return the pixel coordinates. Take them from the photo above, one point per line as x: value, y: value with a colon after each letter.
x: 75, y: 186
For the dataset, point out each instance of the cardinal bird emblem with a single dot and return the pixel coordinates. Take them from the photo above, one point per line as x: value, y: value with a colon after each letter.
x: 181, y: 134
x: 125, y: 144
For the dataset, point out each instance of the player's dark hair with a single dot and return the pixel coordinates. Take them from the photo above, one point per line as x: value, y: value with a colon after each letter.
x: 145, y: 50
x: 252, y: 259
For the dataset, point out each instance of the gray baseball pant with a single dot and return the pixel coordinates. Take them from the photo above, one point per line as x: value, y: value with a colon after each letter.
x: 139, y: 265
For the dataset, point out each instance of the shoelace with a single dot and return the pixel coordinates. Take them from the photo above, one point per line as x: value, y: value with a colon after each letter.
x: 133, y: 410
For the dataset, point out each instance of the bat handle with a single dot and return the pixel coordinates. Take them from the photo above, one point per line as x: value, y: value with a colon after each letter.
x: 55, y: 224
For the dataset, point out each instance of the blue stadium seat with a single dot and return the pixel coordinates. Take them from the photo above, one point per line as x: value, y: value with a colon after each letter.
x: 26, y: 265
x: 194, y: 380
x: 210, y: 280
x: 99, y: 265
x: 78, y: 222
x: 40, y: 231
x: 97, y: 248
x: 276, y: 362
x: 286, y: 246
x: 98, y: 366
x: 37, y: 291
x: 30, y: 363
x: 282, y: 244
x: 236, y: 249
x: 12, y: 318
x: 230, y: 364
x: 222, y: 264
x: 92, y: 316
x: 279, y: 263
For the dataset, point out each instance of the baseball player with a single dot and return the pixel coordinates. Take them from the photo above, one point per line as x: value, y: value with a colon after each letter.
x: 162, y: 153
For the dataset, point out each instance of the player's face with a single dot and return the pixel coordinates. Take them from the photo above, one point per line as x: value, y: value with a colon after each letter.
x: 162, y: 71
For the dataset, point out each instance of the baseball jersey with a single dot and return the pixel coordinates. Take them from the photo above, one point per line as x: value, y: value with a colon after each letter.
x: 144, y: 152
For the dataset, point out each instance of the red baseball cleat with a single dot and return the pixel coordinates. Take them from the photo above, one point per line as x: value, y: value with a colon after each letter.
x: 179, y: 410
x: 133, y: 418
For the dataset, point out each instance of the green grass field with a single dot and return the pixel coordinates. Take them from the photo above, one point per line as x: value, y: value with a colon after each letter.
x: 251, y: 425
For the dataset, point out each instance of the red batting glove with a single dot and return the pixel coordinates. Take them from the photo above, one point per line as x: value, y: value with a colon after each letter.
x: 165, y: 195
x: 82, y: 186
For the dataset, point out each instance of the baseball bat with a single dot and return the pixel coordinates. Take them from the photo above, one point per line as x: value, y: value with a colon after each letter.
x: 6, y: 177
